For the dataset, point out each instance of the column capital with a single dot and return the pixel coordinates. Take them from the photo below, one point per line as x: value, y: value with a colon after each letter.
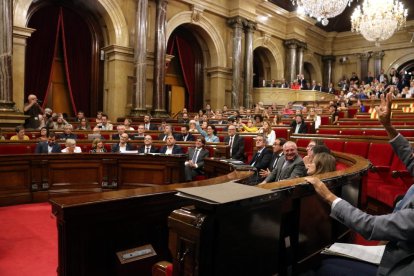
x: 292, y: 43
x: 249, y: 26
x: 378, y: 55
x: 365, y: 56
x: 330, y: 58
x: 236, y: 22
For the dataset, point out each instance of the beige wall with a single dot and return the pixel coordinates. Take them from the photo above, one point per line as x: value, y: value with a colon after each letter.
x: 209, y: 21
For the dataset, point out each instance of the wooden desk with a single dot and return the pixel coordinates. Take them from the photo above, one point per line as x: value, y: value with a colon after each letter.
x: 283, y: 96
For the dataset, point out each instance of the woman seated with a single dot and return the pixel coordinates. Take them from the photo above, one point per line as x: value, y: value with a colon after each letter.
x: 249, y: 127
x: 83, y: 124
x: 192, y: 127
x: 277, y: 120
x: 322, y: 163
x: 314, y: 147
x: 315, y: 117
x: 20, y: 134
x: 71, y: 147
x: 268, y: 133
x: 44, y: 133
x: 97, y: 146
x: 209, y: 134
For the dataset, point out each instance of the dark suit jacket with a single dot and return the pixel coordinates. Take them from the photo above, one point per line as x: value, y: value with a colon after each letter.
x: 115, y: 147
x: 152, y: 126
x: 115, y: 136
x: 176, y: 149
x: 162, y: 135
x: 190, y: 137
x: 302, y: 129
x: 42, y: 147
x: 200, y: 158
x: 65, y: 136
x: 238, y: 147
x: 293, y: 169
x: 263, y: 160
x: 152, y: 150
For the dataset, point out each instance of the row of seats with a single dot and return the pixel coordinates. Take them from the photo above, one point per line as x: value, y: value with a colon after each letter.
x: 388, y: 177
x: 362, y: 131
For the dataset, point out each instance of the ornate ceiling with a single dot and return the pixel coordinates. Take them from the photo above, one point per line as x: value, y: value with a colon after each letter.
x: 342, y: 22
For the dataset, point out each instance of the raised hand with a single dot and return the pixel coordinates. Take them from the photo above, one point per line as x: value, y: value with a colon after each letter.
x: 384, y: 115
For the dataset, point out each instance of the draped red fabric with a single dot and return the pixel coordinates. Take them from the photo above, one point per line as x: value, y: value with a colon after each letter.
x: 55, y: 24
x: 40, y: 51
x: 187, y: 61
x: 77, y: 49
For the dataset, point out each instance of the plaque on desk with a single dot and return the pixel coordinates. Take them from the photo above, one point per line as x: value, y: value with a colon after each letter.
x: 226, y: 193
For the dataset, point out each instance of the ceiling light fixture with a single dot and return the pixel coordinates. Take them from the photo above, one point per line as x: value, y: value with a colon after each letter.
x: 378, y: 20
x: 322, y: 9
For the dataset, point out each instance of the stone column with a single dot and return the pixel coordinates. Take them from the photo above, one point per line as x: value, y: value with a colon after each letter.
x: 237, y: 24
x: 378, y: 62
x: 300, y: 64
x: 327, y: 69
x: 364, y: 58
x: 140, y: 60
x: 159, y: 101
x: 291, y: 59
x: 6, y: 50
x: 250, y: 27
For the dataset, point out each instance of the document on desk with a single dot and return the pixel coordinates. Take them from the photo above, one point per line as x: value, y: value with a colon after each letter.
x: 371, y: 254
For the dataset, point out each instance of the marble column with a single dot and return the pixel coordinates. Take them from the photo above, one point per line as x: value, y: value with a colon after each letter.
x: 327, y: 69
x: 140, y: 60
x: 159, y: 96
x: 291, y: 60
x: 378, y: 56
x: 300, y: 51
x: 364, y: 59
x: 237, y: 24
x: 250, y: 27
x: 6, y: 50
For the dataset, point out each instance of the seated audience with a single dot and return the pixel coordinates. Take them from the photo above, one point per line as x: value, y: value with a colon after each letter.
x: 249, y: 127
x: 67, y: 133
x: 290, y: 166
x: 127, y: 124
x: 43, y: 134
x: 80, y: 116
x: 276, y: 157
x: 60, y: 122
x: 49, y: 146
x: 263, y: 156
x: 71, y: 147
x: 121, y: 130
x: 210, y: 134
x: 268, y: 133
x: 321, y: 163
x: 298, y: 125
x: 314, y: 117
x: 141, y: 133
x: 192, y: 127
x: 147, y: 147
x: 83, y: 124
x: 195, y: 163
x: 185, y: 135
x: 236, y: 143
x: 97, y: 146
x: 123, y: 145
x: 20, y: 134
x: 147, y: 123
x: 105, y: 125
x: 171, y: 147
x: 396, y: 228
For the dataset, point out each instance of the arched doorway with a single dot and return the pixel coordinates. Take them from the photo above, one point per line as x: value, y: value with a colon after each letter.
x: 263, y: 62
x: 186, y: 67
x: 406, y: 71
x: 63, y: 66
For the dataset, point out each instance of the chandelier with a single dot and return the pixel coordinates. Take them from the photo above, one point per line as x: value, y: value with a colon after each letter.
x: 378, y: 20
x: 322, y: 9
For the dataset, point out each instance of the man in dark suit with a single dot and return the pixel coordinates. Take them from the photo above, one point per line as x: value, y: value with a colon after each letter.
x: 397, y: 227
x: 218, y: 120
x: 276, y: 157
x: 147, y: 123
x: 185, y: 135
x: 168, y: 132
x: 195, y: 163
x: 171, y: 147
x: 141, y: 133
x: 49, y: 146
x: 147, y: 147
x: 298, y: 125
x: 67, y: 133
x: 289, y: 166
x: 263, y: 155
x: 236, y: 143
x: 121, y: 130
x: 123, y: 144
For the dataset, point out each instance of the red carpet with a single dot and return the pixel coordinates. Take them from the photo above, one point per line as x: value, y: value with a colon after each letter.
x: 28, y: 240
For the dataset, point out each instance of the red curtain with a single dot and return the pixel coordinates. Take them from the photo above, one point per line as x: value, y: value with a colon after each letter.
x: 76, y: 42
x: 40, y: 51
x: 187, y: 61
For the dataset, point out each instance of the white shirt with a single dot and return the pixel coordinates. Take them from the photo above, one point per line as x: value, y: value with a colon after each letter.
x: 77, y: 150
x: 169, y: 150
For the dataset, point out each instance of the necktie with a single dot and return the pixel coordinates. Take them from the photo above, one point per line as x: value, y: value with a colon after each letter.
x: 147, y: 150
x: 195, y: 155
x: 231, y: 145
x: 147, y: 126
x: 255, y: 158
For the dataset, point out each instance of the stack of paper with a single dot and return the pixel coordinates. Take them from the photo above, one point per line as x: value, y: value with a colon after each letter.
x: 371, y: 254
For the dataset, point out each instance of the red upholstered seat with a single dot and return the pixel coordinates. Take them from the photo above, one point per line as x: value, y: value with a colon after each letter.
x: 388, y: 193
x: 327, y: 131
x: 351, y: 131
x: 302, y: 143
x: 199, y: 177
x: 17, y: 148
x: 375, y: 132
x: 248, y: 146
x: 358, y: 148
x: 335, y: 145
x: 281, y: 132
